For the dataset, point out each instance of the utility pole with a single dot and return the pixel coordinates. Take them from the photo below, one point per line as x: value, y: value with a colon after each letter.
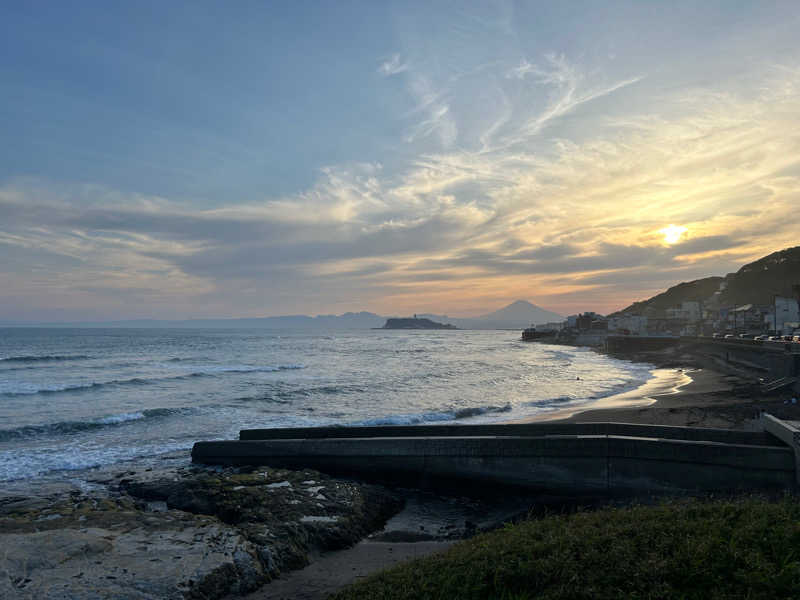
x: 775, y: 314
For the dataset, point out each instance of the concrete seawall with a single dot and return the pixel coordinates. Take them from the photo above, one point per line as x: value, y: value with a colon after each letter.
x: 731, y: 436
x: 577, y: 458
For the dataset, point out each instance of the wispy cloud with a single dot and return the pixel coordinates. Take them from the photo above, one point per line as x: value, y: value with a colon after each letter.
x: 478, y: 215
x: 434, y: 105
x: 393, y: 66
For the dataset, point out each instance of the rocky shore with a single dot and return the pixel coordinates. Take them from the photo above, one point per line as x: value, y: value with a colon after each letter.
x: 184, y: 532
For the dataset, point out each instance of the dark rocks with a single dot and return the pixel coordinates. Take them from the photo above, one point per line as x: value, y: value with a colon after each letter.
x: 286, y: 514
x: 182, y: 533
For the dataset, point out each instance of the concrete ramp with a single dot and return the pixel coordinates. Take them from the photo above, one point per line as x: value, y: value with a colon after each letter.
x: 568, y: 458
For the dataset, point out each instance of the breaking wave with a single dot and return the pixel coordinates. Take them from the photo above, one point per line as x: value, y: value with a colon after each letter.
x: 68, y: 427
x: 25, y: 388
x: 434, y: 417
x: 46, y: 358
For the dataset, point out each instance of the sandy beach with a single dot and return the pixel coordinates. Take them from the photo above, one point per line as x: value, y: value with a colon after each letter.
x: 692, y: 398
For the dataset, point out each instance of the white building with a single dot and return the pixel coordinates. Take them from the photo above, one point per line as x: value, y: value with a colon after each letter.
x: 687, y: 311
x: 786, y: 311
x: 628, y: 325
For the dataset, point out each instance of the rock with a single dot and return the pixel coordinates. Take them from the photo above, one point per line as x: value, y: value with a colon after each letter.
x: 110, y: 550
x: 180, y: 533
x: 274, y: 509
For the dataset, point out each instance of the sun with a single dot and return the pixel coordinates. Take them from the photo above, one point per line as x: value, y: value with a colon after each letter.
x: 673, y: 233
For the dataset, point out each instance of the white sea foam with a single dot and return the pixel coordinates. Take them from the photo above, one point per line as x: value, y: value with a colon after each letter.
x: 134, y: 416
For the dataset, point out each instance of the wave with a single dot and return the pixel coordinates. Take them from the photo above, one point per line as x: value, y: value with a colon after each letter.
x: 45, y: 358
x: 434, y: 417
x: 24, y: 388
x: 558, y: 355
x: 68, y: 427
x: 548, y: 401
x: 214, y: 369
x: 286, y: 396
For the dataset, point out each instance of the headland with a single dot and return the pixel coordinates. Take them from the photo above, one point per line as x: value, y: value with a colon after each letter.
x: 415, y: 323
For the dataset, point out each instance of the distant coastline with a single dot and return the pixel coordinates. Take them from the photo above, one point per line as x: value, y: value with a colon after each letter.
x: 517, y: 315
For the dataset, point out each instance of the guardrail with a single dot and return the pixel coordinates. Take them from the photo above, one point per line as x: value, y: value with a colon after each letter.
x: 793, y: 346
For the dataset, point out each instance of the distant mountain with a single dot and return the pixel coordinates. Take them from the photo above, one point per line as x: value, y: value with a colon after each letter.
x: 518, y: 315
x: 777, y: 274
x: 522, y: 312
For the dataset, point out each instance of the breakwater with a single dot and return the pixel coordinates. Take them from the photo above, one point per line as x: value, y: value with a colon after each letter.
x: 565, y: 458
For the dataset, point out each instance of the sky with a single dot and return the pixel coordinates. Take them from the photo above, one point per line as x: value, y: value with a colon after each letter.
x: 216, y: 159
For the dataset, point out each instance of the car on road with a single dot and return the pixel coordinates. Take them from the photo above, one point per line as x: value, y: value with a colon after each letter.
x: 729, y: 336
x: 761, y: 338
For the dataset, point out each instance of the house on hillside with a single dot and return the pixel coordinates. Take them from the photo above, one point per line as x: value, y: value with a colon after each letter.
x: 782, y: 316
x: 628, y: 325
x: 747, y: 318
x: 687, y: 311
x: 591, y: 321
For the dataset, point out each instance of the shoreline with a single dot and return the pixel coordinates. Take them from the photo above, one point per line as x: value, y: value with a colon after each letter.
x: 678, y: 393
x: 685, y: 391
x: 665, y: 381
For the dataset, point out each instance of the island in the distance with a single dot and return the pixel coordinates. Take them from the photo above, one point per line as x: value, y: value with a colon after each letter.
x: 415, y: 323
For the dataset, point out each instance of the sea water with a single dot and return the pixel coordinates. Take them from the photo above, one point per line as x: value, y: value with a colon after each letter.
x: 73, y: 399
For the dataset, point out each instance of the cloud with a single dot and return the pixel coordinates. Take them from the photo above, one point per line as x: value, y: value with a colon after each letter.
x: 474, y: 214
x: 392, y: 66
x: 569, y: 87
x: 522, y: 70
x: 438, y: 120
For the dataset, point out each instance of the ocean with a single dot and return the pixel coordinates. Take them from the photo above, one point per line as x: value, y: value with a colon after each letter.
x: 76, y: 399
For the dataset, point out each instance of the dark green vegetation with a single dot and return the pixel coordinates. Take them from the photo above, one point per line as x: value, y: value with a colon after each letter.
x: 745, y: 548
x: 755, y: 283
x: 416, y: 324
x: 698, y: 290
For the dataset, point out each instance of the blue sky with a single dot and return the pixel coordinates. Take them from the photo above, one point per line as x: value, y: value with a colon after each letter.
x: 243, y: 159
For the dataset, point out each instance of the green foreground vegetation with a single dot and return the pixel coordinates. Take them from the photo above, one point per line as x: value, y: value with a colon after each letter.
x: 741, y: 548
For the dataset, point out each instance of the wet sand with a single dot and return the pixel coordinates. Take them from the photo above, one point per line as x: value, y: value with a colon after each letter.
x: 700, y: 398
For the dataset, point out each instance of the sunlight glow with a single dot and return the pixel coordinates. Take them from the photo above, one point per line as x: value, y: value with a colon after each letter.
x: 673, y: 233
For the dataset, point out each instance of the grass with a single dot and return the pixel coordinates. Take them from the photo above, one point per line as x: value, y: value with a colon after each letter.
x: 741, y: 548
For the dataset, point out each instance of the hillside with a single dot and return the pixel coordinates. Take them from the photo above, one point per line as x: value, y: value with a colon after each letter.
x: 698, y: 290
x: 757, y: 283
